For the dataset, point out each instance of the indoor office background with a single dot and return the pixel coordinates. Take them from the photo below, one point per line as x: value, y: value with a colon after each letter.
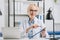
x: 8, y: 20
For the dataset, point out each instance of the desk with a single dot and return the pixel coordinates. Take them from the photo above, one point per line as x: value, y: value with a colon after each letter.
x: 24, y: 39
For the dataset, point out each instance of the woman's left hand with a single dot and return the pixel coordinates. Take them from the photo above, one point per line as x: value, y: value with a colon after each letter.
x: 35, y: 25
x: 43, y: 33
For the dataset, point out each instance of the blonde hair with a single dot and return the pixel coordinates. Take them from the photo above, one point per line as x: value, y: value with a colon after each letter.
x: 31, y: 6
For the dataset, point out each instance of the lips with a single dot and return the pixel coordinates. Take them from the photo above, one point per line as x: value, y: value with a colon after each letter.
x: 32, y: 14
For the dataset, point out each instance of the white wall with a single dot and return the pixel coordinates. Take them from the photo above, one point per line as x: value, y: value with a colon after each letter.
x: 2, y: 20
x: 55, y: 11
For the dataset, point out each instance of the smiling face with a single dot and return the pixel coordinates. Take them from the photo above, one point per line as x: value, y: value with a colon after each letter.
x: 32, y: 11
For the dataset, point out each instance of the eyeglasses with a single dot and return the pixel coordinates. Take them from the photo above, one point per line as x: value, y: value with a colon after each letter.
x: 34, y: 10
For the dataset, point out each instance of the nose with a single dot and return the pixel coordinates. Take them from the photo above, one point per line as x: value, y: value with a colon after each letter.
x: 32, y: 13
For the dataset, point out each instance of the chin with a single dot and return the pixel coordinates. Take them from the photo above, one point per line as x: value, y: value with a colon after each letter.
x: 32, y: 17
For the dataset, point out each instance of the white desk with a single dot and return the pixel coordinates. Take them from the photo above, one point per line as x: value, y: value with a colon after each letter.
x: 24, y: 39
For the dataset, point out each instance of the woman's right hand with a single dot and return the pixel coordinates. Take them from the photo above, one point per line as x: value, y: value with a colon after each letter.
x: 28, y: 29
x: 31, y: 27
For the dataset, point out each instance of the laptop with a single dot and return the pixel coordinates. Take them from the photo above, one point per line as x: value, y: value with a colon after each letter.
x: 11, y: 32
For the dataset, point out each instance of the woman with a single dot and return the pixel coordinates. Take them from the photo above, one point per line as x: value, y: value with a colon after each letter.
x: 34, y: 25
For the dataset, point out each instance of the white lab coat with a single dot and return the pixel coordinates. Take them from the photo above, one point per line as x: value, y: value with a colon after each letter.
x: 35, y: 30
